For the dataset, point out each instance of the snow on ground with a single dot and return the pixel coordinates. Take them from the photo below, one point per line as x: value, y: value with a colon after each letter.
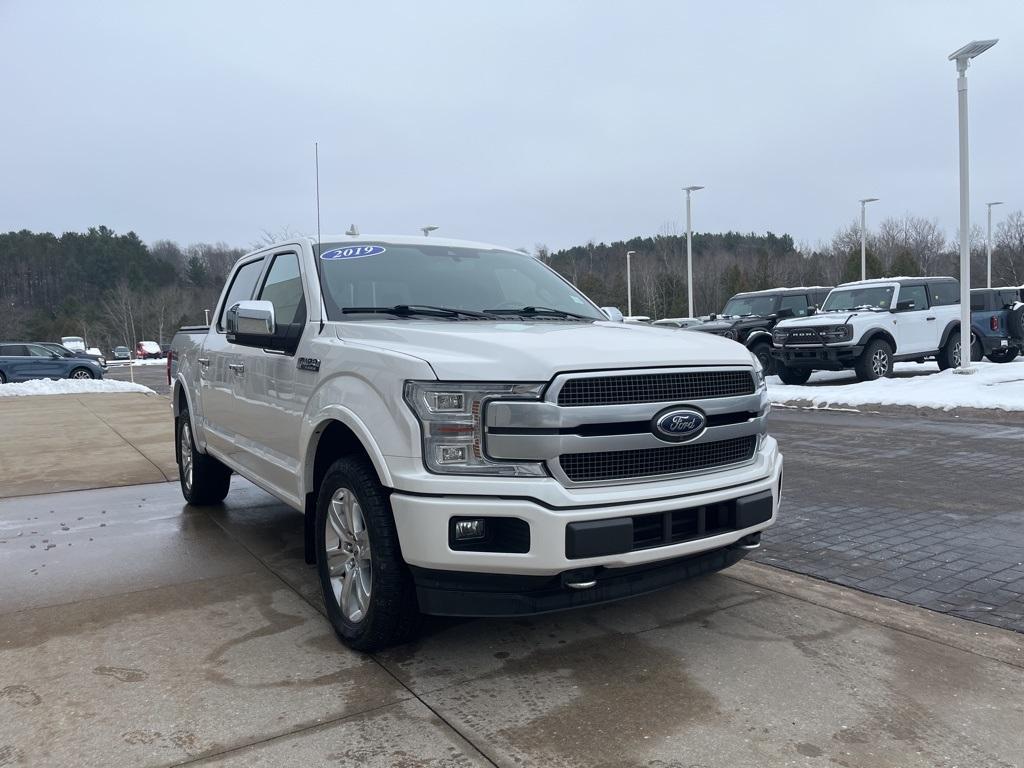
x: 997, y: 386
x: 70, y: 387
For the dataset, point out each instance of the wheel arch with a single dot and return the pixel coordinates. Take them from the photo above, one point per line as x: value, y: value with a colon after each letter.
x: 878, y: 333
x: 757, y: 336
x: 951, y: 328
x: 339, y: 434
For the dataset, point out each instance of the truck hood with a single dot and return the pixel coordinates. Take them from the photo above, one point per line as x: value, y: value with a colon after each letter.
x: 474, y: 350
x: 826, y: 318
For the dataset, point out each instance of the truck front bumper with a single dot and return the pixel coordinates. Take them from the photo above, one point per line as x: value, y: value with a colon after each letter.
x: 820, y: 358
x: 624, y: 548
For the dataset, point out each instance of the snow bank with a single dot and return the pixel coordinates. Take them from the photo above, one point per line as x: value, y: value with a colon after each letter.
x: 70, y: 387
x: 996, y: 386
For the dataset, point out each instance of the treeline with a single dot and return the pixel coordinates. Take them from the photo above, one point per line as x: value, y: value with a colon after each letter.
x: 108, y: 288
x: 725, y: 264
x: 114, y: 289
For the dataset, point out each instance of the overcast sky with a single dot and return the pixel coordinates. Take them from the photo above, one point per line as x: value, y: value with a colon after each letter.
x: 514, y: 122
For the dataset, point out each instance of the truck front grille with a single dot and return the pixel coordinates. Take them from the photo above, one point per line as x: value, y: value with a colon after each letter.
x: 652, y: 462
x: 655, y: 388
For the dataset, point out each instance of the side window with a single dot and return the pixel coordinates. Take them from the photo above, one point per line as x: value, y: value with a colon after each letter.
x: 978, y: 301
x: 914, y: 293
x: 283, y: 288
x: 944, y: 293
x: 14, y: 350
x: 36, y: 351
x: 1007, y: 299
x: 241, y: 288
x: 796, y: 303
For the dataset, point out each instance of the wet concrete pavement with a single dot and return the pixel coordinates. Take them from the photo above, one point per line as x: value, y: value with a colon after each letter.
x: 151, y: 633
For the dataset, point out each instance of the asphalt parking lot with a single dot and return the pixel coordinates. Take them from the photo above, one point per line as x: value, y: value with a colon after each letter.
x: 135, y: 630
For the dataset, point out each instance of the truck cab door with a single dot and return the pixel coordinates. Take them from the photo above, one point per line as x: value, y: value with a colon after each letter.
x: 270, y: 390
x: 916, y: 324
x: 218, y: 366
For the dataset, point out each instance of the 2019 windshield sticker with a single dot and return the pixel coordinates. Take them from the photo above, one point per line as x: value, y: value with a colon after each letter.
x: 352, y: 252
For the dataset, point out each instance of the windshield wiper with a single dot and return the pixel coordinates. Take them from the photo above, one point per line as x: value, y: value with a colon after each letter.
x: 405, y: 310
x: 538, y: 312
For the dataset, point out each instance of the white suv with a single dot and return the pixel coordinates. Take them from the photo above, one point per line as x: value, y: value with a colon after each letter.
x: 869, y: 325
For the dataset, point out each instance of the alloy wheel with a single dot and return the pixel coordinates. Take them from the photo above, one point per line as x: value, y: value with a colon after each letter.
x: 186, y: 455
x: 81, y: 374
x: 879, y: 362
x: 349, y: 558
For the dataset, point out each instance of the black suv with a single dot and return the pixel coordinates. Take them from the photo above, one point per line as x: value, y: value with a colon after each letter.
x: 749, y: 317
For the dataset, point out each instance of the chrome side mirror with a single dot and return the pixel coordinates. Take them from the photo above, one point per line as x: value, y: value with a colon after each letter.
x: 612, y: 313
x: 250, y: 318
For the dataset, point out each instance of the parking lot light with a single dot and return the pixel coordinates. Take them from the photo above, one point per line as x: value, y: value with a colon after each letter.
x: 629, y: 286
x: 988, y: 245
x: 689, y: 253
x: 962, y: 57
x: 863, y: 237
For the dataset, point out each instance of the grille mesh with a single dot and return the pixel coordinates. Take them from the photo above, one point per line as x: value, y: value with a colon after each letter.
x: 655, y: 387
x: 649, y: 462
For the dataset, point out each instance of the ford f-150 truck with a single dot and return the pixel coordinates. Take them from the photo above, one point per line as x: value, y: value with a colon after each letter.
x: 467, y: 434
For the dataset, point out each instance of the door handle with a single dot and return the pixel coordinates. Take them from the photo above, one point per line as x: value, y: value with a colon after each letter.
x: 236, y: 367
x: 929, y: 318
x: 203, y: 361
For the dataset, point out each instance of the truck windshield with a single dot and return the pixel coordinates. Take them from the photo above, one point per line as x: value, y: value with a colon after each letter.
x: 751, y: 305
x: 843, y: 299
x: 381, y: 275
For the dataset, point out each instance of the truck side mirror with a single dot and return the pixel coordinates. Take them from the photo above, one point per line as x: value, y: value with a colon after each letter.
x: 612, y: 313
x: 812, y: 309
x: 250, y: 323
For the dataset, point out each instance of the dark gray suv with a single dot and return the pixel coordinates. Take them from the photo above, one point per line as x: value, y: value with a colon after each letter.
x: 21, y: 361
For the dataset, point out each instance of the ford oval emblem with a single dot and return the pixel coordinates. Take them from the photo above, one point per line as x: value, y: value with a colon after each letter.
x: 679, y: 424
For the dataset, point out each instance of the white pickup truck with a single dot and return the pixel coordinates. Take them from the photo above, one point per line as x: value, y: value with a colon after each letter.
x: 467, y: 434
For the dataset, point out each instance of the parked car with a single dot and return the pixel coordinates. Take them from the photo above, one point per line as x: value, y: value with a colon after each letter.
x: 997, y: 323
x: 147, y: 350
x: 63, y: 351
x: 870, y: 325
x: 121, y: 353
x: 467, y: 434
x: 74, y: 343
x: 678, y: 322
x: 20, y: 361
x: 750, y: 317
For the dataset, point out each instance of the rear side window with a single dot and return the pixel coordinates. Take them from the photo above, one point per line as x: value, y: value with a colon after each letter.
x: 283, y: 288
x: 14, y: 350
x: 241, y: 289
x: 943, y: 293
x: 914, y: 293
x: 979, y: 301
x: 1008, y: 298
x: 796, y: 303
x: 37, y: 351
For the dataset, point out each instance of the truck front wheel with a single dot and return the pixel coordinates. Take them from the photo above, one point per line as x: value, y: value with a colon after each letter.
x: 367, y: 588
x: 204, y: 480
x: 875, y: 361
x: 790, y: 375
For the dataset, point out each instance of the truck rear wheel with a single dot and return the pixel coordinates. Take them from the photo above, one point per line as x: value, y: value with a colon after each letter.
x: 367, y: 588
x: 204, y: 480
x: 1002, y: 355
x: 875, y: 361
x: 790, y: 375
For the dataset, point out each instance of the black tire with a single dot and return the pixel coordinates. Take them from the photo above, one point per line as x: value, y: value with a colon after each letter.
x: 382, y: 609
x: 3, y: 379
x: 209, y: 480
x: 791, y: 375
x: 81, y: 373
x: 875, y: 361
x: 1003, y: 355
x: 949, y: 355
x: 763, y: 351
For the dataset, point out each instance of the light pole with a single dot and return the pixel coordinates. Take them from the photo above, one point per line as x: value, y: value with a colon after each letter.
x: 689, y: 253
x: 864, y: 237
x: 963, y: 57
x: 988, y: 245
x: 427, y: 230
x: 629, y: 286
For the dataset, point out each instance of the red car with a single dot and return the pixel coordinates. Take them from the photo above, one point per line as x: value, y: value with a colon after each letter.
x: 147, y: 350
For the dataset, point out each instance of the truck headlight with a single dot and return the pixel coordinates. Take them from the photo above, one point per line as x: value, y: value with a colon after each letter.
x: 451, y: 416
x: 837, y: 333
x: 758, y: 372
x: 779, y: 336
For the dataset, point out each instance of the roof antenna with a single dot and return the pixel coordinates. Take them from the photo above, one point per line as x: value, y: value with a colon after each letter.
x: 353, y: 230
x: 319, y: 276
